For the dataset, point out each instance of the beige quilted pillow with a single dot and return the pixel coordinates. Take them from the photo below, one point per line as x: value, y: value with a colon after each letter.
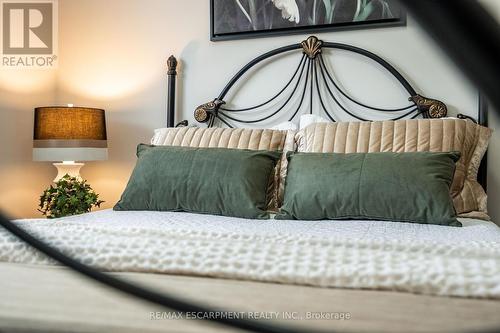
x: 237, y: 138
x: 436, y: 135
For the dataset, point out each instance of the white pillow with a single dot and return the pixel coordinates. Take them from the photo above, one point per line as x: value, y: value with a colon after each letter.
x: 308, y: 119
x: 286, y: 126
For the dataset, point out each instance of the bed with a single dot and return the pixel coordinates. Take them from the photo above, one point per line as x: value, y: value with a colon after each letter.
x: 345, y: 274
x: 162, y: 249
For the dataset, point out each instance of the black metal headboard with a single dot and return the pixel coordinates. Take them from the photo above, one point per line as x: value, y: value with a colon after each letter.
x: 312, y: 73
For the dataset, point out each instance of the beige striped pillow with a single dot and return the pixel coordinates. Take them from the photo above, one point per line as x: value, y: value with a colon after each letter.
x: 436, y: 135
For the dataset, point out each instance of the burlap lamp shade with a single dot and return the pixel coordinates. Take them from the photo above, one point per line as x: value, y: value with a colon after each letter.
x: 69, y: 134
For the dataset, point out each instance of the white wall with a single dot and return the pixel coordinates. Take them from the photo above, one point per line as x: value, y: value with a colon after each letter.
x: 113, y: 55
x: 21, y: 180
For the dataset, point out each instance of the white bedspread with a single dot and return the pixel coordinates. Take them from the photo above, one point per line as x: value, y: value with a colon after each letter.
x: 408, y: 257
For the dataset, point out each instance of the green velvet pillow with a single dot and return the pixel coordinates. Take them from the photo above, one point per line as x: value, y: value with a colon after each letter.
x: 229, y: 182
x: 405, y: 187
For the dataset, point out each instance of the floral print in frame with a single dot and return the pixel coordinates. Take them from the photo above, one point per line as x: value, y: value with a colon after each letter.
x: 235, y: 19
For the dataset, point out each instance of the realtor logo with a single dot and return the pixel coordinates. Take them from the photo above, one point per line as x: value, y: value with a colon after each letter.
x: 29, y: 33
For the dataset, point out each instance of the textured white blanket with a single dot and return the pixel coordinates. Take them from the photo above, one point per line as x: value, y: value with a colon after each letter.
x: 415, y: 258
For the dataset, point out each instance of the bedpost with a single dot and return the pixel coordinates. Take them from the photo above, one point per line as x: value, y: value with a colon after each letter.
x: 483, y: 120
x: 172, y: 73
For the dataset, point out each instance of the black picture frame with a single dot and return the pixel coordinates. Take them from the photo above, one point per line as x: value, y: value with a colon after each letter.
x: 372, y: 24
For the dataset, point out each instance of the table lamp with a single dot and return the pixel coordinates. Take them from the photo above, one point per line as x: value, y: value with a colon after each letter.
x: 69, y: 134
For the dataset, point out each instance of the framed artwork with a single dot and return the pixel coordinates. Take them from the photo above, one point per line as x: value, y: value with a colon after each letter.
x: 237, y: 19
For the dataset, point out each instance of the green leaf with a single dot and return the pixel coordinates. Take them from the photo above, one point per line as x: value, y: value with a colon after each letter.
x: 365, y: 11
x: 386, y: 10
x: 330, y: 6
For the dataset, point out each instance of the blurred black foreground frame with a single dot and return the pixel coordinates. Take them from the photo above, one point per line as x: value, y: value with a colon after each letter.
x: 470, y: 36
x: 462, y: 27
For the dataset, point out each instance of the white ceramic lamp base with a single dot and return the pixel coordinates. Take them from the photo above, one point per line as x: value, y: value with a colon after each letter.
x: 68, y: 168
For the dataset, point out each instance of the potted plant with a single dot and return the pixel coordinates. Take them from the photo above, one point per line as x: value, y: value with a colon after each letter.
x: 68, y: 196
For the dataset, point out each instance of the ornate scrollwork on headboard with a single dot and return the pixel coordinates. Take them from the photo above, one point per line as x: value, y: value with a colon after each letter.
x: 313, y: 72
x: 434, y: 108
x: 207, y: 111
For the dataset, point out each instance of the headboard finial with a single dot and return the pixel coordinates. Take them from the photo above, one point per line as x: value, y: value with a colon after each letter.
x: 433, y: 107
x: 312, y: 46
x: 172, y: 65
